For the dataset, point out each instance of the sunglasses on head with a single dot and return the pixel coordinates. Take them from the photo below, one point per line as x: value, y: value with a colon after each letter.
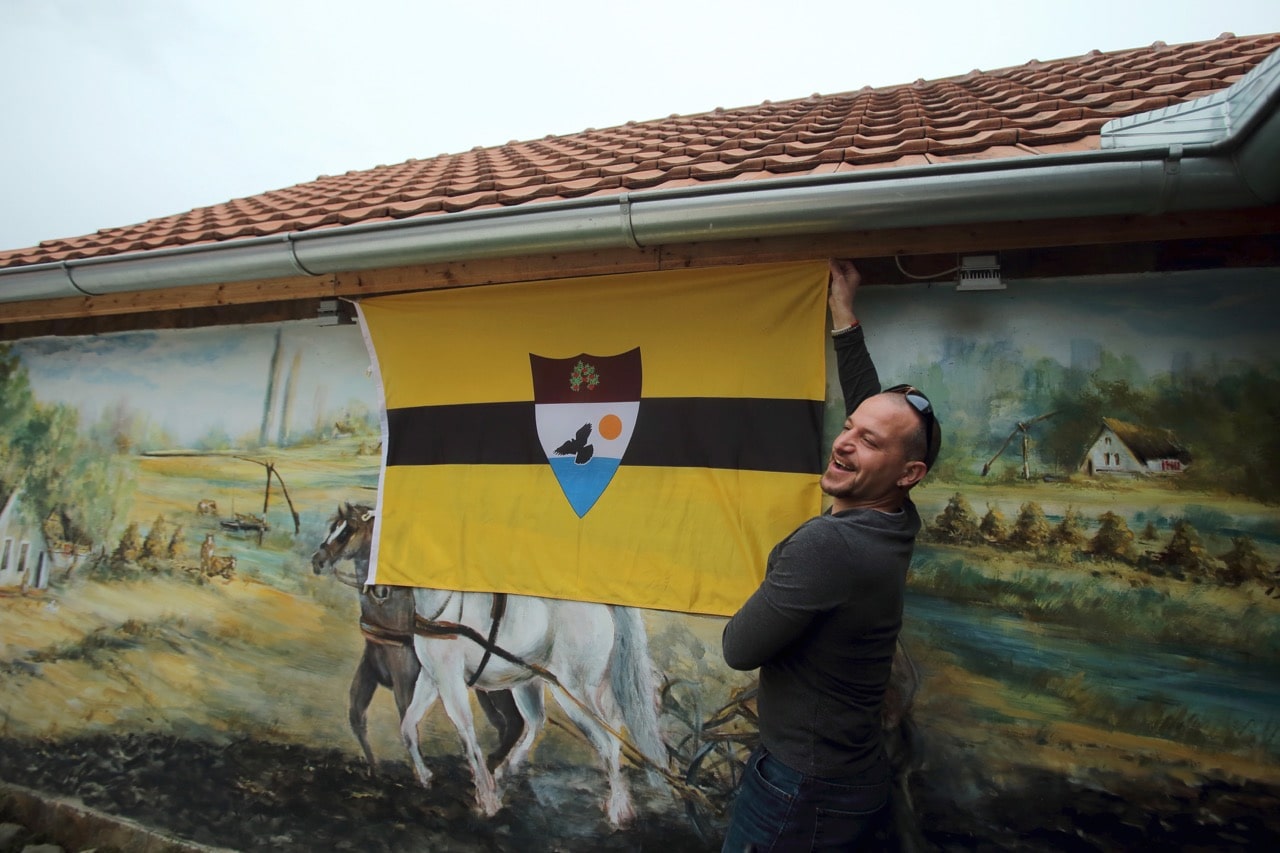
x: 923, y: 408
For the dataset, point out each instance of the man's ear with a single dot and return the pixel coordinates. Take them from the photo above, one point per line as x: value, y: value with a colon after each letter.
x: 913, y: 473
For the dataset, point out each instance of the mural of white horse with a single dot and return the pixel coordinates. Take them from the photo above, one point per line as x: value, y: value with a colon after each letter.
x: 389, y: 660
x: 596, y: 654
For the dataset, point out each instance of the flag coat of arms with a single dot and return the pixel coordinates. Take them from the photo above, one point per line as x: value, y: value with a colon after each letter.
x: 637, y: 439
x: 594, y: 401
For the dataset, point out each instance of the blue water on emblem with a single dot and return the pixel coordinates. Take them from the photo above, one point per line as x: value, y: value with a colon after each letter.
x: 583, y: 484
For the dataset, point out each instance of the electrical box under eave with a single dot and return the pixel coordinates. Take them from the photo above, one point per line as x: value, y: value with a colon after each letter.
x: 979, y: 272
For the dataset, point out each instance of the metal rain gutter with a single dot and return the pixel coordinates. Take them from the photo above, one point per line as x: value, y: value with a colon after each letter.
x: 1214, y: 153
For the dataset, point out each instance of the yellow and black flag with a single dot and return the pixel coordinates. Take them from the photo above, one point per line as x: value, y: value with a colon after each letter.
x: 631, y: 439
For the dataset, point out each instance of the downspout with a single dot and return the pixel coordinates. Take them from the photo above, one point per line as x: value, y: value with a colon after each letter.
x: 1214, y: 153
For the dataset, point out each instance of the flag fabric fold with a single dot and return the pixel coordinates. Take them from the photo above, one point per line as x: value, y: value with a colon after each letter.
x: 639, y: 439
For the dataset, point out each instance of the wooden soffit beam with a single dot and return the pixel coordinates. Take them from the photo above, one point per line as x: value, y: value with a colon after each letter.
x: 1250, y: 235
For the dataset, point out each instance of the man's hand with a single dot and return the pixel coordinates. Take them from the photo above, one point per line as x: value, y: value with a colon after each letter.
x: 845, y: 280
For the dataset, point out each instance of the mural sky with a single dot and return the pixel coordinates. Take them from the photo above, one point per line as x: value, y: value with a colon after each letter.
x: 201, y: 379
x: 1230, y: 313
x: 191, y: 382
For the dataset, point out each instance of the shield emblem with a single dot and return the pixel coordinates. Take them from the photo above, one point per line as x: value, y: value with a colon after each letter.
x: 586, y: 408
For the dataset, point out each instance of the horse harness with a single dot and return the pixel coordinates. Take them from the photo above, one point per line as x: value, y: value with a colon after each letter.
x: 442, y: 630
x: 433, y: 627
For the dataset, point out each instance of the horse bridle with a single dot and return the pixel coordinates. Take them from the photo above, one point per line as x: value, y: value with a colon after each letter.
x: 342, y: 537
x: 427, y: 626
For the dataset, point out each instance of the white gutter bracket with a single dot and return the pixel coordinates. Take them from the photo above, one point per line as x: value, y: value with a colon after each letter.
x: 1172, y: 170
x: 628, y: 227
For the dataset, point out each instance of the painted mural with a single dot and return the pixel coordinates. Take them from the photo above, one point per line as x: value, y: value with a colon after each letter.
x: 1094, y: 608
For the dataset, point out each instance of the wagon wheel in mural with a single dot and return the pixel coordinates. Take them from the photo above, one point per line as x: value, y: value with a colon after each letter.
x: 243, y: 521
x: 681, y: 703
x: 1022, y: 427
x: 720, y: 748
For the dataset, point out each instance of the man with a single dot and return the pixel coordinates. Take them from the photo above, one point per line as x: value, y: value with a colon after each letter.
x: 823, y: 625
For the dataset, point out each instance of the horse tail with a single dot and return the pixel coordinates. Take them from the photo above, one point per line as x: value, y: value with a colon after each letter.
x: 635, y: 686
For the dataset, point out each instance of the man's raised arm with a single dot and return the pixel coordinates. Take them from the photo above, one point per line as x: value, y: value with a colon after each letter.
x: 858, y: 378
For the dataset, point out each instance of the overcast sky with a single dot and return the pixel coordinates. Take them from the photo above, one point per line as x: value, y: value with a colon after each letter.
x: 117, y: 112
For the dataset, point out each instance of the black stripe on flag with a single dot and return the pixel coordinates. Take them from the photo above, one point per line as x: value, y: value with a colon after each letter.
x: 674, y: 432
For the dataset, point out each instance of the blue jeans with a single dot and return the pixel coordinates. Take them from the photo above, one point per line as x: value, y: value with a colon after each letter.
x: 779, y: 809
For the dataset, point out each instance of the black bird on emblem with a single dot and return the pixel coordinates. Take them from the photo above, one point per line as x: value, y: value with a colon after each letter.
x: 578, y: 446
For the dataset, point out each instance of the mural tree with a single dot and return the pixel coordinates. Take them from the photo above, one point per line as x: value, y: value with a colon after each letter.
x: 1242, y: 562
x: 273, y: 385
x: 71, y: 484
x: 1114, y: 539
x: 1031, y: 529
x: 1185, y: 555
x: 69, y: 475
x: 16, y: 402
x: 155, y: 547
x: 993, y: 527
x: 1228, y: 418
x: 128, y: 549
x: 177, y: 548
x: 956, y: 524
x: 1069, y: 531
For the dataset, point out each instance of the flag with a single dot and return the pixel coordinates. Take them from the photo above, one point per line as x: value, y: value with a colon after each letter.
x: 639, y: 439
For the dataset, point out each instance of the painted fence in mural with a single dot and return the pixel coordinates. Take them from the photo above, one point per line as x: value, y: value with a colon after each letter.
x: 1094, y: 605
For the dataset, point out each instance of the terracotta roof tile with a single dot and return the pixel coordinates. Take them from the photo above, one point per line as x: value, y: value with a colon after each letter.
x: 880, y: 163
x: 1136, y: 105
x: 306, y: 222
x: 1033, y: 108
x: 575, y: 189
x: 974, y: 142
x: 363, y: 214
x: 645, y: 179
x: 454, y: 204
x: 1185, y: 89
x: 519, y: 195
x: 972, y: 127
x: 402, y: 209
x: 886, y: 153
x: 1062, y: 132
x: 780, y: 163
x: 715, y: 170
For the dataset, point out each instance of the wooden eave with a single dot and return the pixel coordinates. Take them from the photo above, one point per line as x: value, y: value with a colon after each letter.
x: 1029, y: 249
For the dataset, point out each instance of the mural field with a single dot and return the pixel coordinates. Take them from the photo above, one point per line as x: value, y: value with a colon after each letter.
x: 1093, y: 613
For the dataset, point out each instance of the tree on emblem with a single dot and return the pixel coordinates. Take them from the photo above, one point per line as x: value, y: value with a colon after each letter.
x: 583, y: 372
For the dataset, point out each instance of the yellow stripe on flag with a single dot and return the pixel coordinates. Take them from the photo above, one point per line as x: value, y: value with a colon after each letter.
x: 687, y: 538
x: 630, y: 549
x: 729, y: 332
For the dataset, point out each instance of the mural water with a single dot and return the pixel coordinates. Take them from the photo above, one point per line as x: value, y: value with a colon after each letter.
x: 1223, y: 689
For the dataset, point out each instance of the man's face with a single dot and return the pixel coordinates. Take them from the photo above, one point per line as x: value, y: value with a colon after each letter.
x: 869, y: 458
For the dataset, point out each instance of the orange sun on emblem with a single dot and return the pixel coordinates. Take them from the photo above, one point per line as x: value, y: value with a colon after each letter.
x: 610, y: 427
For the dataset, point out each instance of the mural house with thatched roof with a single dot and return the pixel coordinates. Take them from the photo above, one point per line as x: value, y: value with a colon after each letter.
x: 1125, y: 448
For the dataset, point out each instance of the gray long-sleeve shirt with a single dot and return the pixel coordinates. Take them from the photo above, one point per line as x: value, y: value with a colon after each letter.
x: 823, y: 624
